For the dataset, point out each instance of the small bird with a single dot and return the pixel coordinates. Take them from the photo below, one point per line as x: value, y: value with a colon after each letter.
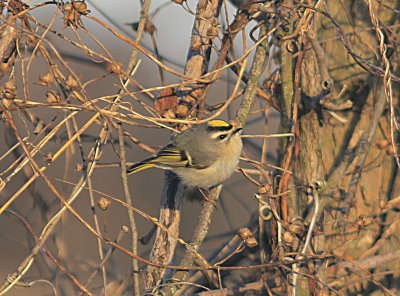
x: 203, y: 156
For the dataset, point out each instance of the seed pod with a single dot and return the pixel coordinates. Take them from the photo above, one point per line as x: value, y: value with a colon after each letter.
x: 265, y: 190
x: 80, y: 167
x: 103, y: 203
x: 48, y: 158
x: 70, y: 18
x: 45, y: 80
x: 71, y: 83
x: 67, y: 7
x: 9, y: 94
x: 149, y: 28
x: 80, y: 7
x: 10, y: 84
x: 247, y: 236
x: 52, y: 97
x: 114, y: 68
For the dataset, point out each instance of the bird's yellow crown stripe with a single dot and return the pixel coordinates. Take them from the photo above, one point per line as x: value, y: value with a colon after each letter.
x: 218, y: 123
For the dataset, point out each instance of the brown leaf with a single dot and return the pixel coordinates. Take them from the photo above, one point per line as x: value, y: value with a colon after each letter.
x: 166, y: 101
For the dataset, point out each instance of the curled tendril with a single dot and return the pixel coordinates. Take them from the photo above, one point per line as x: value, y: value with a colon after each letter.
x: 318, y: 185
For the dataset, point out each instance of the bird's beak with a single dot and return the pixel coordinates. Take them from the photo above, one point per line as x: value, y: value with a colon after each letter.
x: 237, y: 130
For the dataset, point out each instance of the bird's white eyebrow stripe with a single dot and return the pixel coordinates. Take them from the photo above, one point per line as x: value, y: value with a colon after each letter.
x: 219, y: 133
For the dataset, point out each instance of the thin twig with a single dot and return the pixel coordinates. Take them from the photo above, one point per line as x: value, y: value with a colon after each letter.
x: 134, y: 244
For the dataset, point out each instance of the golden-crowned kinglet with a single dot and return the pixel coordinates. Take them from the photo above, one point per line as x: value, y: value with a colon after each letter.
x: 204, y: 155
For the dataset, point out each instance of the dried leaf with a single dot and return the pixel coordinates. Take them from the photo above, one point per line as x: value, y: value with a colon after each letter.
x: 166, y: 103
x: 182, y: 110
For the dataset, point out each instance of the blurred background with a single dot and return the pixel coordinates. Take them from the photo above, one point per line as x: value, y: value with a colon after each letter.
x: 71, y: 242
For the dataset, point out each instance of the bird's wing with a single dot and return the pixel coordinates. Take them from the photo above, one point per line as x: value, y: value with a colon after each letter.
x: 195, y: 152
x: 171, y: 155
x: 200, y: 159
x: 137, y: 167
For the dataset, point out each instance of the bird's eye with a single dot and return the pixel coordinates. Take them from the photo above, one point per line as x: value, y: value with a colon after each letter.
x: 221, y: 137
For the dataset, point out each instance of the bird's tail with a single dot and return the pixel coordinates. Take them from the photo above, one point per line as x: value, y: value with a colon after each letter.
x: 140, y: 166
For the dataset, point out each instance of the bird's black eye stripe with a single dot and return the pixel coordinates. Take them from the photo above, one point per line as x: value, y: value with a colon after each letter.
x: 220, y: 128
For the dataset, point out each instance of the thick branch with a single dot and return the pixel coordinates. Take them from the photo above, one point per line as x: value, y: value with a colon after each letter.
x: 172, y: 197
